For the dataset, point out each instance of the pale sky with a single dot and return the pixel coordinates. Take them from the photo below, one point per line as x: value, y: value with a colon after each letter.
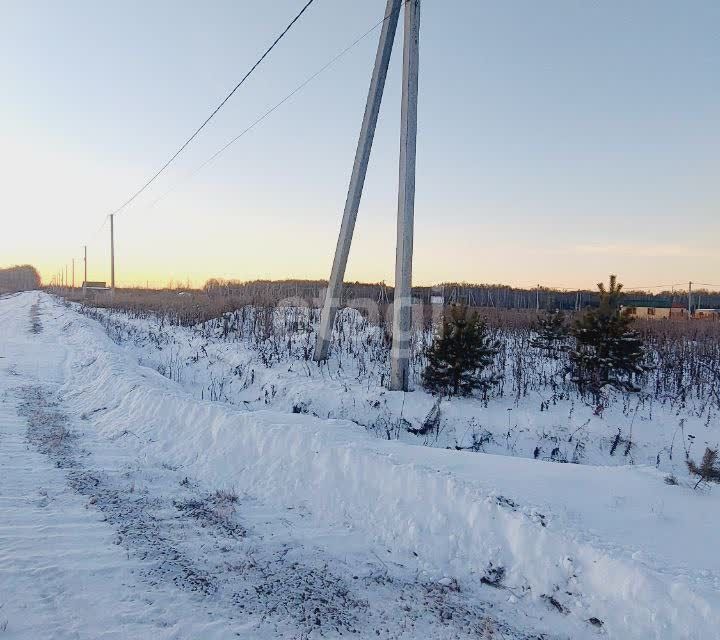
x: 558, y: 141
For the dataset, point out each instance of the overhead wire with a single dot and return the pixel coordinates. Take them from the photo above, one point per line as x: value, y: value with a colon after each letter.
x: 264, y: 116
x: 654, y: 286
x: 157, y: 174
x: 272, y: 109
x: 215, y: 111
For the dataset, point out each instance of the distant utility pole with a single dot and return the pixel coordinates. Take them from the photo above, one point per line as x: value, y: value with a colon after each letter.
x: 689, y: 299
x: 85, y: 263
x: 402, y: 313
x: 537, y: 298
x: 73, y: 273
x: 112, y: 252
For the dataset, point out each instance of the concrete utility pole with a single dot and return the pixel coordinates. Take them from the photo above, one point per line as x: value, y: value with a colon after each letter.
x: 112, y: 253
x: 357, y: 180
x: 85, y: 264
x: 73, y: 273
x: 402, y: 308
x: 402, y: 316
x: 689, y: 299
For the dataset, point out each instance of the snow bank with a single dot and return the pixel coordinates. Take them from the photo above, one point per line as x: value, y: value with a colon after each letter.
x: 443, y: 506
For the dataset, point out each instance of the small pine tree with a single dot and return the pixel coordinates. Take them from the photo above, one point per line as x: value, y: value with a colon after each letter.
x: 551, y: 334
x: 459, y: 355
x: 607, y: 351
x: 709, y: 469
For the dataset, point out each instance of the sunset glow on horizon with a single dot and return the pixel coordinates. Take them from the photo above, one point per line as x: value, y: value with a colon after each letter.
x: 548, y: 152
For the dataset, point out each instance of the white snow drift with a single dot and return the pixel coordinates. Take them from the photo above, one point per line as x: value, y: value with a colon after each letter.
x: 612, y: 544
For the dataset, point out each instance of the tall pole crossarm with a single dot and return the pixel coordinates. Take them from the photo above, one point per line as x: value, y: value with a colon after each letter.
x: 357, y: 180
x: 402, y: 308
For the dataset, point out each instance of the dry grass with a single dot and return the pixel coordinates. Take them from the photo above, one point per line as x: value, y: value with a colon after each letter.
x: 683, y: 356
x: 193, y: 306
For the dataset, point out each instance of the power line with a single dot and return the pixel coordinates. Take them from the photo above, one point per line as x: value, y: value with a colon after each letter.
x: 654, y: 286
x: 265, y: 115
x: 100, y: 228
x: 215, y: 111
x: 270, y: 111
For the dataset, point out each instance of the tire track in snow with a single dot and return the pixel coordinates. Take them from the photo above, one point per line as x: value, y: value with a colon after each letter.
x: 196, y: 541
x: 160, y: 521
x: 257, y: 578
x: 59, y: 576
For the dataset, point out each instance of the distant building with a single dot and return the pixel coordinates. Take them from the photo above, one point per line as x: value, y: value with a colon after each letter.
x: 707, y: 314
x: 91, y: 290
x: 674, y: 312
x: 678, y: 311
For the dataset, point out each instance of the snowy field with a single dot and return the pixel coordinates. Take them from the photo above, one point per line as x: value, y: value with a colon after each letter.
x: 261, y: 359
x: 173, y: 482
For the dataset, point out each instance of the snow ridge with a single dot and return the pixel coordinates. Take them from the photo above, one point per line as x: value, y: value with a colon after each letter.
x: 432, y: 503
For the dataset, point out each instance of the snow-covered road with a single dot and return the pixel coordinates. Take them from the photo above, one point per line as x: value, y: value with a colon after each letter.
x: 129, y: 509
x: 99, y: 540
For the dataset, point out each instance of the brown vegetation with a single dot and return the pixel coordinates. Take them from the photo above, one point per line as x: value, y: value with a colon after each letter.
x: 188, y: 307
x: 684, y: 356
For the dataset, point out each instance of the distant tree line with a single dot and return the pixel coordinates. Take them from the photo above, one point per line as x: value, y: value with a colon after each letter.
x: 23, y: 277
x: 473, y: 295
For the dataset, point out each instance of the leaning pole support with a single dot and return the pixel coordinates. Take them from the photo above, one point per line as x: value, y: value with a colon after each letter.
x: 357, y: 180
